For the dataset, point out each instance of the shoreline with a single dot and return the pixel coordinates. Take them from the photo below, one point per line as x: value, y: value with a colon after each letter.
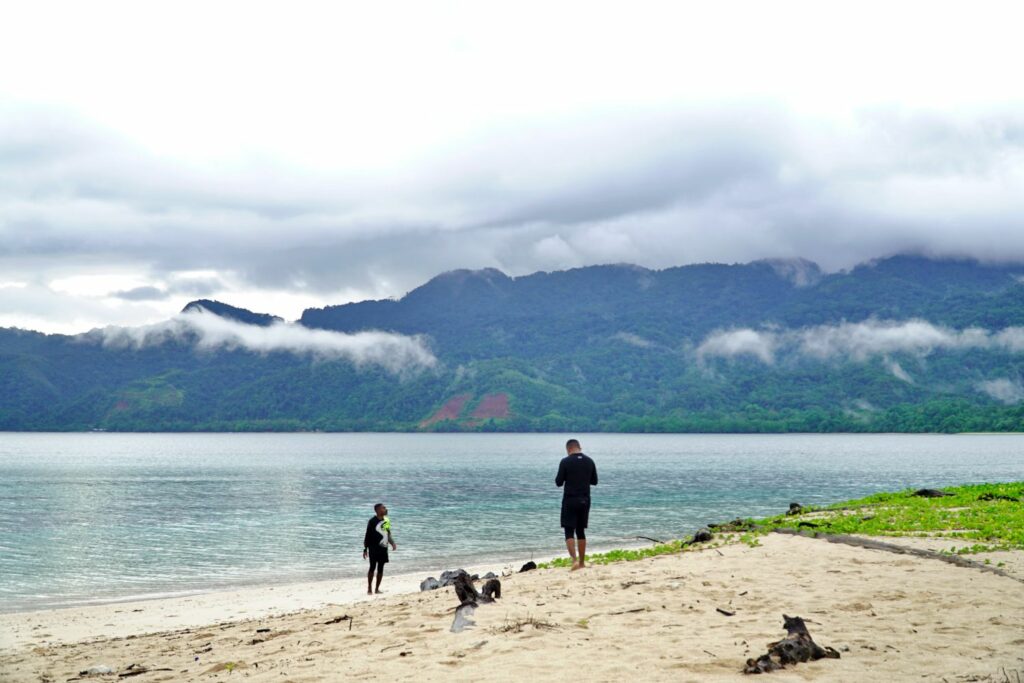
x: 690, y: 616
x: 479, y: 565
x: 155, y: 615
x: 121, y: 618
x: 487, y: 562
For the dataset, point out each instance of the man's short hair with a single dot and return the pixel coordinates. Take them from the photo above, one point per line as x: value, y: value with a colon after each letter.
x: 377, y: 507
x: 572, y: 443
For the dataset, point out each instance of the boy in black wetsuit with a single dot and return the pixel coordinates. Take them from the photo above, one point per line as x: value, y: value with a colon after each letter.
x: 578, y: 473
x: 375, y: 544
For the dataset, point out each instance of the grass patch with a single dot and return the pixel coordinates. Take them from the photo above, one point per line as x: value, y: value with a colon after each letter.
x: 985, y: 517
x: 618, y: 555
x: 642, y: 553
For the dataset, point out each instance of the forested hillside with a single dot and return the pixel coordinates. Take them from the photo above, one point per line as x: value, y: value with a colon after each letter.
x: 901, y: 344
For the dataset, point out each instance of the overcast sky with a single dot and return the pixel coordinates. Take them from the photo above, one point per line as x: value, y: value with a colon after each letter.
x: 322, y: 153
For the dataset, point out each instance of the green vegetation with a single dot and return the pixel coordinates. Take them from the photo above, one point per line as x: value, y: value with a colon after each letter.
x: 619, y: 555
x: 986, y: 517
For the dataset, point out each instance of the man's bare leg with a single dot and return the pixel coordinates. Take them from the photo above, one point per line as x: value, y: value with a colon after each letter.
x: 380, y: 575
x: 369, y: 582
x: 583, y: 552
x: 570, y: 544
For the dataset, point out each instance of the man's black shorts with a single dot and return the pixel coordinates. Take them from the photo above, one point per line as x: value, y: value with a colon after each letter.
x: 378, y: 557
x: 575, y: 513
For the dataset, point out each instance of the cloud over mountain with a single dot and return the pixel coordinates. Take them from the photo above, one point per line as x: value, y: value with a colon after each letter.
x: 858, y: 341
x: 208, y: 332
x: 1003, y: 390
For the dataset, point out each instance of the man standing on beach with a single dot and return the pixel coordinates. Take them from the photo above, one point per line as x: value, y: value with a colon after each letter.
x: 578, y: 473
x: 375, y: 545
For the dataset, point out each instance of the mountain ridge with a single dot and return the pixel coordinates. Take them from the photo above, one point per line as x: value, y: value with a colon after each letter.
x: 764, y: 346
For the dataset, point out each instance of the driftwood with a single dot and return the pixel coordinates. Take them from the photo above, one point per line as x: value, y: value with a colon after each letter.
x: 735, y: 525
x: 491, y: 589
x: 448, y: 579
x: 470, y: 598
x: 467, y: 592
x: 652, y: 540
x: 138, y: 670
x: 701, y: 536
x: 336, y: 620
x: 998, y: 496
x: 930, y: 493
x: 797, y: 646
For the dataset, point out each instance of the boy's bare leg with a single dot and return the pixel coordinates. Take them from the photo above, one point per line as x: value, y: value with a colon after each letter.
x: 369, y: 582
x: 380, y: 575
x: 583, y: 552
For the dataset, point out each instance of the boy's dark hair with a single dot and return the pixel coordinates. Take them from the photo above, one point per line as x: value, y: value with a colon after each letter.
x: 377, y: 507
x: 572, y: 443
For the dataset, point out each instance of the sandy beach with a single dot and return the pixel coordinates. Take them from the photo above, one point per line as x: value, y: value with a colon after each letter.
x: 892, y: 617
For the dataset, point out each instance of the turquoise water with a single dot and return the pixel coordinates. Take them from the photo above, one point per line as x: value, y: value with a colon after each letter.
x: 96, y: 517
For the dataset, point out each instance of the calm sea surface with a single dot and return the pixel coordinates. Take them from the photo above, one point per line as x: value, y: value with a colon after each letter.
x: 94, y: 517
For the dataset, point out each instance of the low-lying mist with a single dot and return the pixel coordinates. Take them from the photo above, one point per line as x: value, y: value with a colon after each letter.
x: 395, y: 353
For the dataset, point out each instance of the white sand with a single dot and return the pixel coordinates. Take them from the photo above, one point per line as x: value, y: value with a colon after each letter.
x: 894, y: 618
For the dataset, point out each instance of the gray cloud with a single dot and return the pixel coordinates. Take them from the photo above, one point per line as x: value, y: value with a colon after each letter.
x: 208, y: 332
x: 858, y: 341
x: 197, y: 287
x: 145, y: 293
x: 659, y: 187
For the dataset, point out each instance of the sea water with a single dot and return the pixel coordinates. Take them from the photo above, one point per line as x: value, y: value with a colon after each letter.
x: 96, y: 517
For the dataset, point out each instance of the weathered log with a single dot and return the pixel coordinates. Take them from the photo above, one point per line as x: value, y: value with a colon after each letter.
x: 998, y: 496
x: 470, y: 599
x: 652, y: 540
x: 930, y: 493
x: 491, y: 589
x: 701, y: 536
x: 735, y: 525
x: 796, y: 647
x: 448, y: 577
x: 338, y: 620
x: 467, y: 592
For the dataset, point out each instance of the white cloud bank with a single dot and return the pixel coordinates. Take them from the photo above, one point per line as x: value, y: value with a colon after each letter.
x: 394, y: 352
x: 858, y: 341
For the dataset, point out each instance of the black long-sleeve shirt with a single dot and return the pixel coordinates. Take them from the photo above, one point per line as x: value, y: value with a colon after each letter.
x: 578, y: 472
x: 373, y: 538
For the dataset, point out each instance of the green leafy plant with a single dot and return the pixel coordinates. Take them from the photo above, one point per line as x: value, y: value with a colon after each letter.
x: 981, y: 517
